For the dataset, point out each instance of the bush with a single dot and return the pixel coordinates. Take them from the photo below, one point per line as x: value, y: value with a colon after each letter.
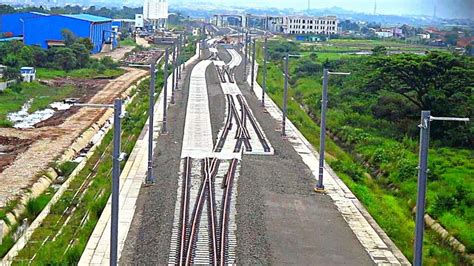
x: 67, y: 168
x: 108, y: 62
x: 35, y: 206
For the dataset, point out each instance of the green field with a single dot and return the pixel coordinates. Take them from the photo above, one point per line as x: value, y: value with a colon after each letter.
x: 44, y: 73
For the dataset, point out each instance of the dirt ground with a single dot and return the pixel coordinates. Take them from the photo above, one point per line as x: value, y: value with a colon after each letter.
x: 54, y: 136
x: 10, y: 147
x: 85, y: 89
x: 116, y: 54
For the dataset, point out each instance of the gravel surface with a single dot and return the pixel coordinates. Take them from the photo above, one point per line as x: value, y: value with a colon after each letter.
x: 216, y: 101
x: 148, y: 240
x: 224, y: 55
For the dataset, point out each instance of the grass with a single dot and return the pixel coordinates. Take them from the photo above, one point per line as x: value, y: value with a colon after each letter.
x: 12, y: 99
x: 128, y: 42
x: 390, y: 208
x: 45, y: 73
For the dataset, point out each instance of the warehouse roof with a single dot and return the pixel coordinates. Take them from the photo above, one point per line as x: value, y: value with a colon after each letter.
x: 87, y: 17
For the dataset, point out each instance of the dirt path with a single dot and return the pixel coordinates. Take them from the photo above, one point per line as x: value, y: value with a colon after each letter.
x: 51, y: 141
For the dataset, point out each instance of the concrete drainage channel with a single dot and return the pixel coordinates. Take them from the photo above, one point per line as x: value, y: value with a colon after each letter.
x: 80, y: 151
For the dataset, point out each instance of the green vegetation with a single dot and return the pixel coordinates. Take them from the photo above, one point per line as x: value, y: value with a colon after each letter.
x: 128, y: 42
x: 66, y: 241
x: 377, y: 127
x: 13, y: 98
x: 43, y: 73
x: 70, y: 61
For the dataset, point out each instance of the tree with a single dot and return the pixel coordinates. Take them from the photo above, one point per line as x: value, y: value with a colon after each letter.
x: 307, y: 67
x: 440, y: 81
x: 349, y: 25
x: 420, y: 79
x: 65, y: 58
x: 12, y: 73
x: 379, y: 50
x: 108, y: 62
x: 82, y: 54
x: 86, y: 42
x: 6, y: 9
x: 68, y: 37
x: 452, y: 39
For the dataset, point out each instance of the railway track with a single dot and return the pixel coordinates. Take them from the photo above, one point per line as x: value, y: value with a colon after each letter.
x: 253, y: 121
x: 204, y: 229
x: 227, y: 185
x: 190, y: 227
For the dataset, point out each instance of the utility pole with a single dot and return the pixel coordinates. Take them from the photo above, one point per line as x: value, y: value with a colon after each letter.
x: 322, y: 133
x: 285, y: 97
x: 426, y: 119
x: 164, y: 129
x: 150, y: 179
x: 264, y: 83
x: 252, y: 82
x: 173, y: 83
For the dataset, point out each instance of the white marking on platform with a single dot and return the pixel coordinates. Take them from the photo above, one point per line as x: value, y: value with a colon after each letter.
x: 197, y: 138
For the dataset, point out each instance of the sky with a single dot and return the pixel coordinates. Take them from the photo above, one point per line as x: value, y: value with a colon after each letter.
x: 444, y: 8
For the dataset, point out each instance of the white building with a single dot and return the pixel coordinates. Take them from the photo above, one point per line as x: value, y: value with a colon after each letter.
x: 28, y: 74
x: 384, y: 33
x: 139, y: 21
x: 327, y: 25
x: 156, y: 11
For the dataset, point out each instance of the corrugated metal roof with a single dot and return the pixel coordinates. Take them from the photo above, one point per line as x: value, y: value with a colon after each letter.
x: 11, y: 39
x: 88, y: 17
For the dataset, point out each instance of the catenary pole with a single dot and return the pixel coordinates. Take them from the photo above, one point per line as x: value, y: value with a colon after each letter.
x: 285, y: 97
x: 164, y: 129
x: 115, y: 184
x: 252, y: 82
x: 151, y: 111
x: 322, y: 133
x: 245, y: 55
x: 421, y: 194
x: 173, y: 83
x: 423, y: 170
x: 264, y: 83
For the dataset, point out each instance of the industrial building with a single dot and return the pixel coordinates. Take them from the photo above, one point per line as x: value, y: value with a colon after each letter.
x: 11, y: 25
x: 46, y: 30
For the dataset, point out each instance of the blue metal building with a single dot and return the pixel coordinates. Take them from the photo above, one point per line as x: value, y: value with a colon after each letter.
x: 46, y: 31
x: 13, y: 23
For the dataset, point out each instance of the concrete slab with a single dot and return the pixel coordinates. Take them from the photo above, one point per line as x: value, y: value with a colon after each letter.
x: 314, y: 235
